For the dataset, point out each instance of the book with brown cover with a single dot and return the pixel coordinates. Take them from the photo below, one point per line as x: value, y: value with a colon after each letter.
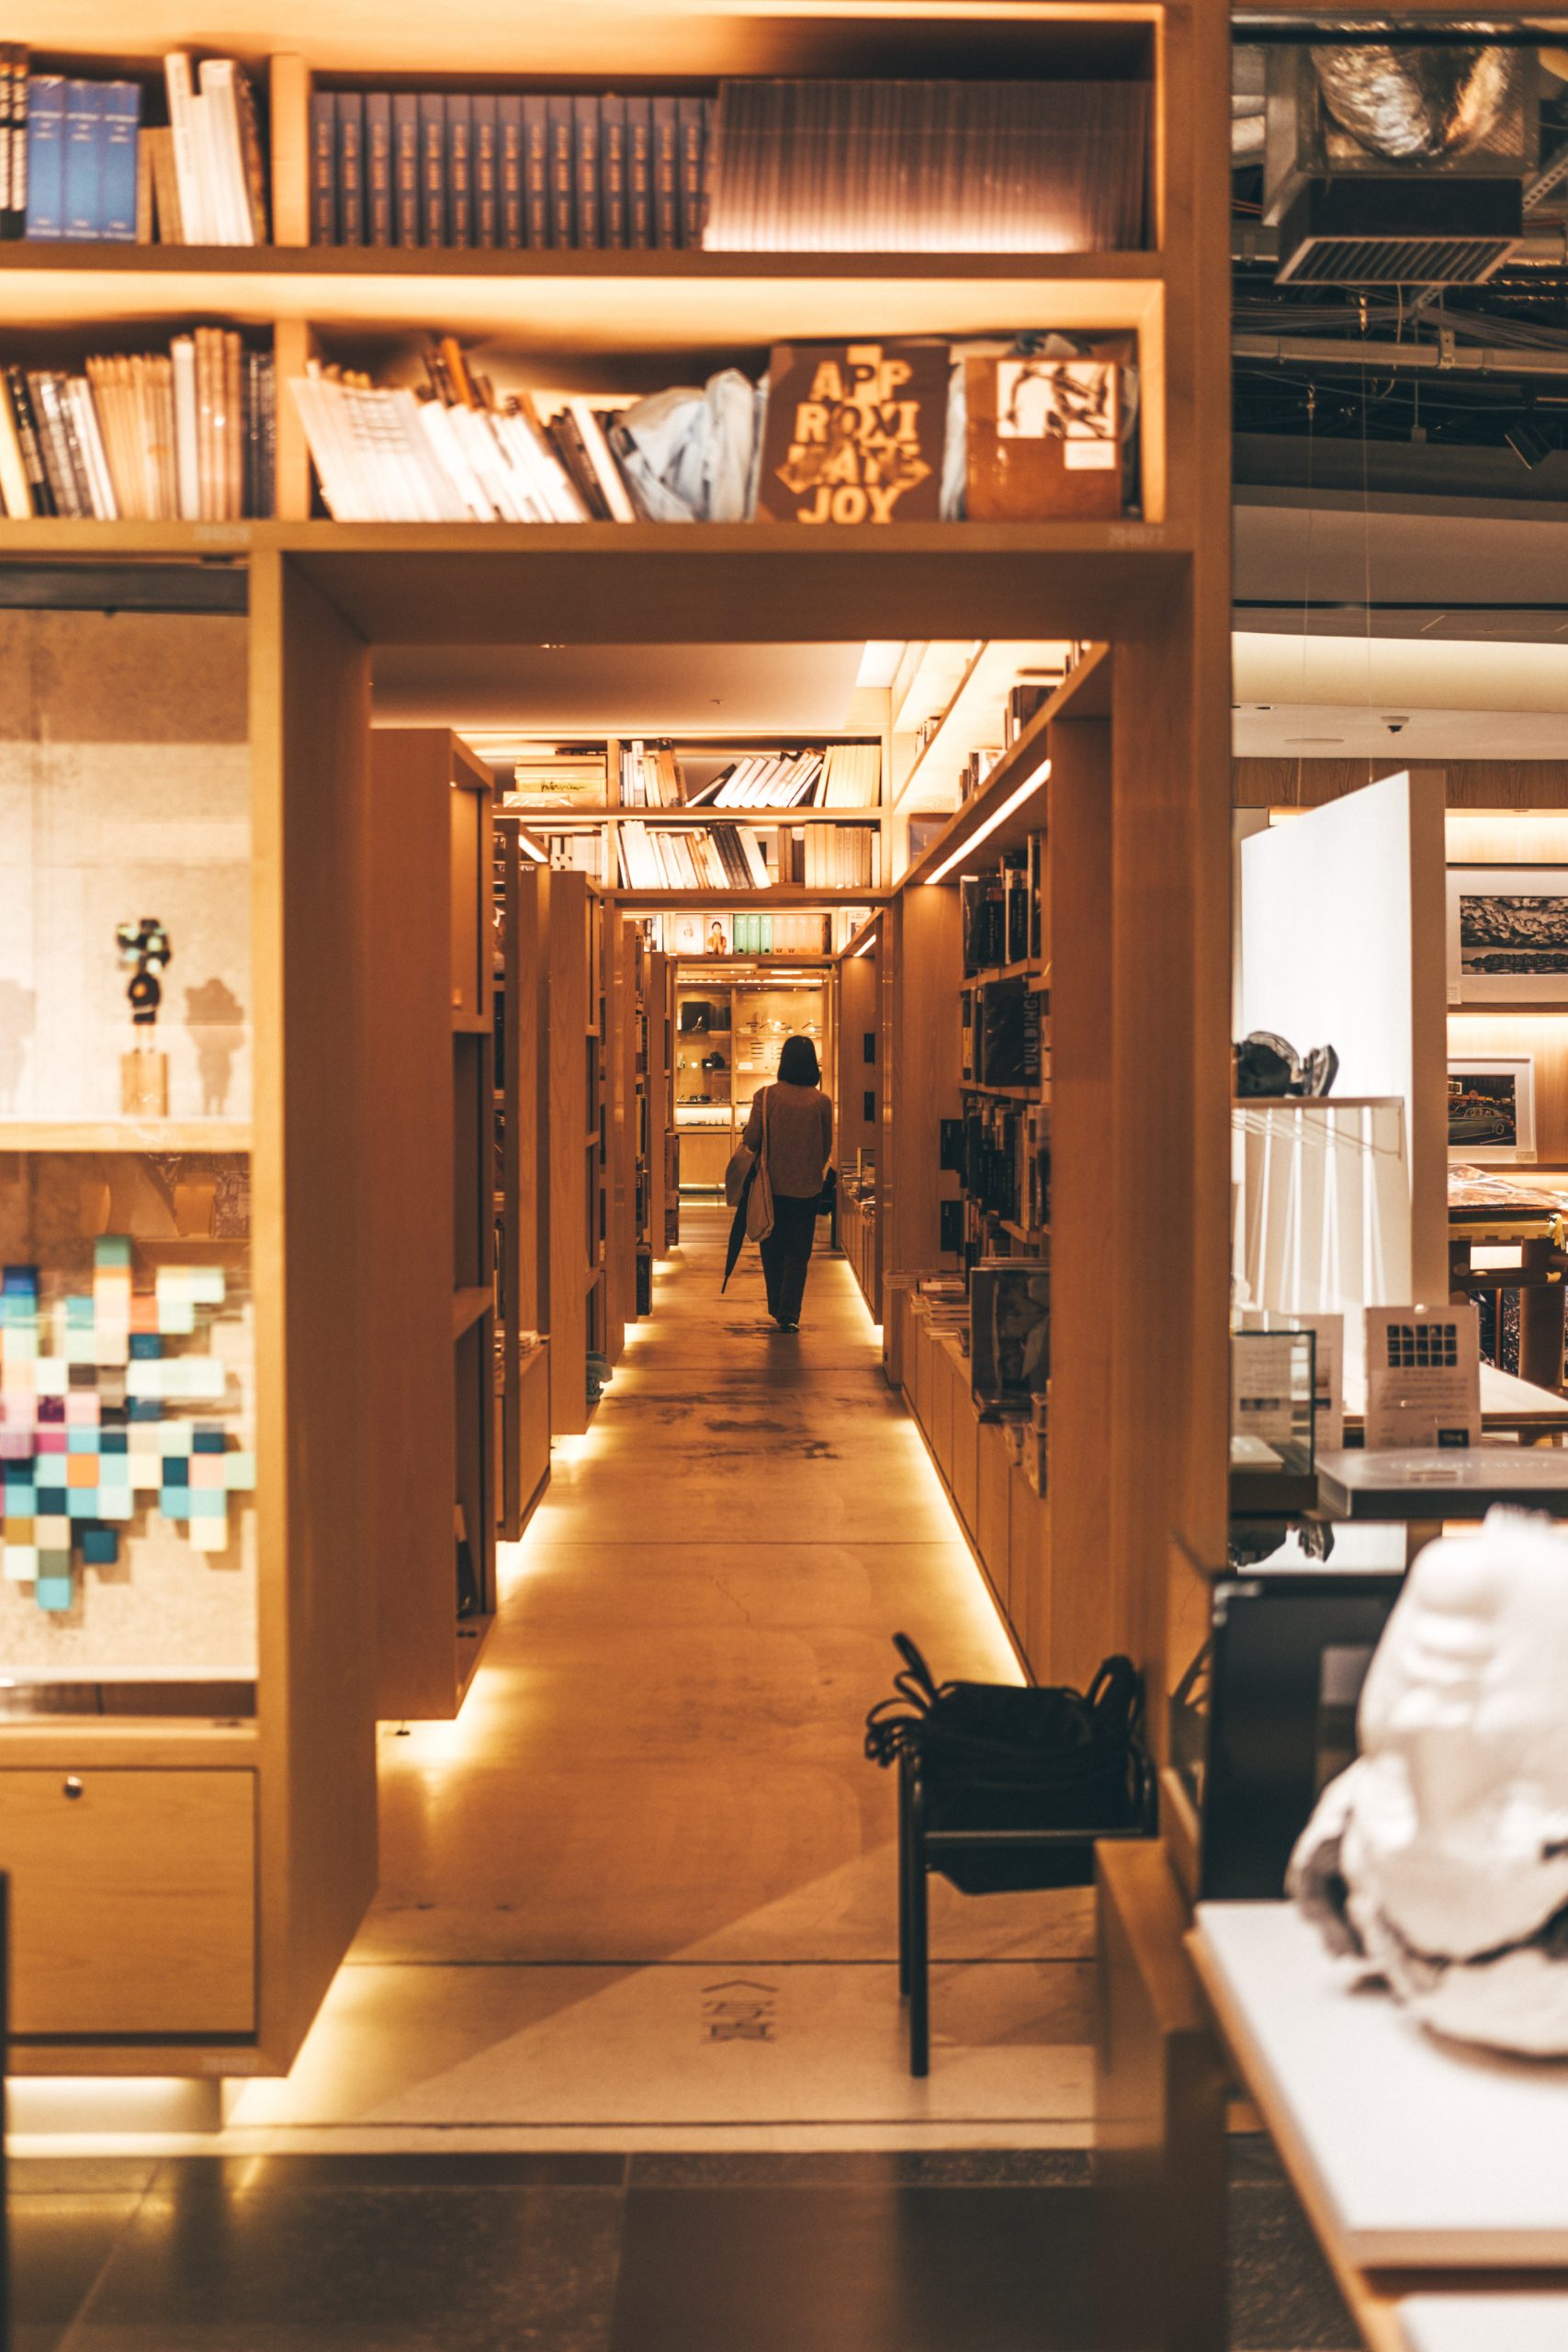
x: 1042, y: 440
x: 854, y: 433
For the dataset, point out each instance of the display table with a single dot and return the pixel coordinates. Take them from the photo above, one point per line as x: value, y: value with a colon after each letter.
x: 1499, y: 2322
x: 1434, y: 1483
x: 1419, y: 2164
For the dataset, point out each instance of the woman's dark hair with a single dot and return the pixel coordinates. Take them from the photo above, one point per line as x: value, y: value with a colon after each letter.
x: 797, y: 1063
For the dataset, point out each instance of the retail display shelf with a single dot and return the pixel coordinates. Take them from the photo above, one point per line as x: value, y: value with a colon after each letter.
x: 1003, y: 1094
x: 473, y: 1632
x: 468, y: 1305
x: 794, y: 894
x: 125, y: 1135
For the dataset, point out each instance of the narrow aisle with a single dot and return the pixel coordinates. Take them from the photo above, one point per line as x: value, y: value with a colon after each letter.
x: 647, y: 1878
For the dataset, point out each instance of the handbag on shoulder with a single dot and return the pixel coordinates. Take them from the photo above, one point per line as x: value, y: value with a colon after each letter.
x: 760, y: 1200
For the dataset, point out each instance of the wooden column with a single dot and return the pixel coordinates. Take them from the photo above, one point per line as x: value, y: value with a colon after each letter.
x: 311, y: 1269
x: 1072, y: 1612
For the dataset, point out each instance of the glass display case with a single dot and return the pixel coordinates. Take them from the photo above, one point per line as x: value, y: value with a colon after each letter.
x: 127, y: 1550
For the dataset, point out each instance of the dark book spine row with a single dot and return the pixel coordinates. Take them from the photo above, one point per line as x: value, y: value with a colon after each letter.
x: 527, y: 172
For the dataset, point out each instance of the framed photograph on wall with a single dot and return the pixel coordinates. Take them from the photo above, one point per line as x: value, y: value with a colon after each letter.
x: 1507, y: 934
x: 1491, y: 1107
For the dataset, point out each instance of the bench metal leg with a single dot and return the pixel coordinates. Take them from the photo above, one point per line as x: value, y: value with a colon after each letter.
x: 904, y: 1778
x: 919, y: 1949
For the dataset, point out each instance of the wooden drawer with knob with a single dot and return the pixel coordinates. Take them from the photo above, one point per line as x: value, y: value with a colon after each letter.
x: 132, y: 1900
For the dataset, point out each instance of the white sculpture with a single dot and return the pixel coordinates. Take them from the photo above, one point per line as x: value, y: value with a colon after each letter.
x: 1442, y: 1854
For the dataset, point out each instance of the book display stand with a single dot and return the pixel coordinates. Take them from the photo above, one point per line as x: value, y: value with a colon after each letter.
x: 1146, y: 728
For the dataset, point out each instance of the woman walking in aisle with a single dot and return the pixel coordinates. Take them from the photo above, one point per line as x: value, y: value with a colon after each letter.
x: 800, y: 1132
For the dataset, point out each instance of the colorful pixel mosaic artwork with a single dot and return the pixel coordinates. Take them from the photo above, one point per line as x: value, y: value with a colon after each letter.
x: 99, y: 1419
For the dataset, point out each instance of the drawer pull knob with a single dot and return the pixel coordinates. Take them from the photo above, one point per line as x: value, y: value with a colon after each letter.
x: 73, y: 1788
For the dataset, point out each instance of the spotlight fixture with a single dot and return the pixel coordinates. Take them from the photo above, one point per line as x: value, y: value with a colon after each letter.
x: 1527, y: 444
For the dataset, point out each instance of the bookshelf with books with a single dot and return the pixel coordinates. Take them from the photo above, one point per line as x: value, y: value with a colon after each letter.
x: 857, y: 1123
x: 612, y: 327
x: 430, y: 1373
x: 1008, y: 1147
x: 582, y: 1076
x: 654, y: 1147
x: 522, y: 1349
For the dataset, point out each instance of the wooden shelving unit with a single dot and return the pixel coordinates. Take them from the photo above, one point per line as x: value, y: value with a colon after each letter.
x: 522, y: 1173
x: 581, y: 1031
x: 1152, y: 1084
x: 857, y: 1123
x: 430, y: 1375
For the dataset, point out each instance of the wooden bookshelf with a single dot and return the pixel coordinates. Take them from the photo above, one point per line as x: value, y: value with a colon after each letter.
x: 430, y: 1373
x: 523, y: 1446
x: 579, y: 1057
x: 857, y: 1121
x: 1152, y: 979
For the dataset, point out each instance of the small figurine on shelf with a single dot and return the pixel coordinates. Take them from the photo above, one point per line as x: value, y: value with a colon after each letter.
x: 144, y: 952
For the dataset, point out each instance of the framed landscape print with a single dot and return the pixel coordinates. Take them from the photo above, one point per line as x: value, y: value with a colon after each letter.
x: 1491, y: 1107
x: 1507, y: 934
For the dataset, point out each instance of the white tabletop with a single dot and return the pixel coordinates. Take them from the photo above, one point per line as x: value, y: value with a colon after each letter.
x: 1461, y: 2322
x: 1413, y: 2152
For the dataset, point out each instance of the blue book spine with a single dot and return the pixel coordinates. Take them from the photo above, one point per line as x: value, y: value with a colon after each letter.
x: 83, y: 159
x: 121, y: 129
x: 433, y: 166
x: 487, y: 170
x: 509, y: 170
x: 351, y: 167
x: 324, y: 168
x: 405, y: 165
x: 459, y: 171
x: 46, y: 155
x: 378, y: 168
x: 536, y: 174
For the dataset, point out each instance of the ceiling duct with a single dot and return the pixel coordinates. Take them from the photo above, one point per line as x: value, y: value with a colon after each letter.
x: 1398, y: 165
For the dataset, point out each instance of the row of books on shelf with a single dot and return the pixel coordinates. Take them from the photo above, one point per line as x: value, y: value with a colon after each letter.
x: 745, y: 857
x: 186, y: 435
x: 818, y: 164
x: 1042, y: 436
x: 1006, y: 1034
x: 715, y: 932
x: 457, y: 451
x: 652, y: 775
x: 511, y: 171
x: 1001, y: 1154
x: 1000, y: 914
x: 81, y: 160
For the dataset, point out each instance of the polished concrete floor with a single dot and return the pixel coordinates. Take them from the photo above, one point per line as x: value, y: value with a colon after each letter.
x: 601, y: 2253
x: 655, y: 1812
x: 618, y: 2063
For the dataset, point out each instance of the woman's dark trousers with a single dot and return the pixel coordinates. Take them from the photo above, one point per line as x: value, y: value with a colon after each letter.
x: 787, y: 1253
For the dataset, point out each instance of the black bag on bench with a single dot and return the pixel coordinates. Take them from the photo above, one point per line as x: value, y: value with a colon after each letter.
x: 997, y: 1757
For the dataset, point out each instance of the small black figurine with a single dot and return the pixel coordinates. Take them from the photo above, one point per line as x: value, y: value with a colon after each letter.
x: 144, y: 950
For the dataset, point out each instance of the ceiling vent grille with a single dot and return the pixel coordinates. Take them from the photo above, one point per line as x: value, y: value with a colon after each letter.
x: 1381, y: 232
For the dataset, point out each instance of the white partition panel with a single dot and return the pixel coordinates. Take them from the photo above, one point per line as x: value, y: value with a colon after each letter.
x: 1342, y: 945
